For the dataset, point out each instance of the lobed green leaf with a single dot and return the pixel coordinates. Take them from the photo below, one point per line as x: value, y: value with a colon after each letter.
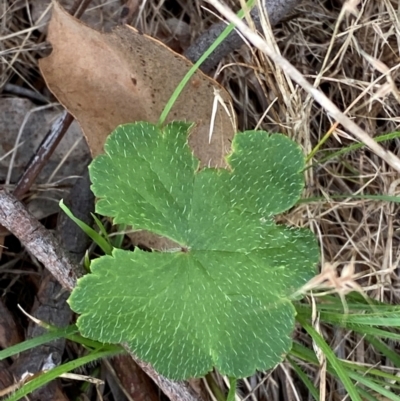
x: 222, y: 298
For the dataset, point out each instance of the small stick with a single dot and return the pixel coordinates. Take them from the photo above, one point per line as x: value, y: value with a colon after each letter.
x: 43, y: 154
x: 20, y: 91
x: 79, y: 7
x: 39, y: 241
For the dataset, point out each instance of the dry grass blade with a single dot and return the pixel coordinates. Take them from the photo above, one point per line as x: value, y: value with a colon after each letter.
x: 298, y: 77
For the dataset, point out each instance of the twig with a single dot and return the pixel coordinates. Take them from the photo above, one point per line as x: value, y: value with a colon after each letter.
x: 43, y: 154
x: 19, y: 135
x: 79, y: 7
x: 25, y: 92
x: 277, y: 10
x: 297, y: 76
x: 38, y: 241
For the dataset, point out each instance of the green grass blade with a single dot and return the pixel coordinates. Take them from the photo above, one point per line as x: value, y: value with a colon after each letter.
x: 356, y: 146
x: 377, y: 387
x: 305, y: 354
x: 232, y: 389
x: 333, y: 360
x: 59, y: 370
x: 368, y: 319
x: 356, y: 304
x: 118, y: 239
x: 70, y: 333
x: 320, y: 199
x: 384, y: 350
x: 196, y: 66
x: 96, y: 237
x: 52, y: 335
x: 214, y: 387
x: 373, y: 331
x: 304, y: 378
x: 367, y: 396
x: 374, y: 373
x: 100, y: 225
x: 86, y: 262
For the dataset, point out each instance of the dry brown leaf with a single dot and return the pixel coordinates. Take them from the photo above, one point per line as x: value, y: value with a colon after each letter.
x: 105, y: 80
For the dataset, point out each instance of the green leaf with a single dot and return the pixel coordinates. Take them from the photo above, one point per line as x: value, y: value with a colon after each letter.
x: 222, y: 298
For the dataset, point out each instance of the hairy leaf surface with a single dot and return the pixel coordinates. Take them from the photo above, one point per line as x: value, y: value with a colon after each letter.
x: 222, y: 298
